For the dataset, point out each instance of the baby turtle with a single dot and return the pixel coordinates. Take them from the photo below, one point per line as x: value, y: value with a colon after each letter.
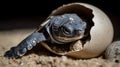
x: 60, y: 29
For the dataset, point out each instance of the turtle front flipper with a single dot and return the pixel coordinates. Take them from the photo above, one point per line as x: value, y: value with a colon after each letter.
x: 26, y: 44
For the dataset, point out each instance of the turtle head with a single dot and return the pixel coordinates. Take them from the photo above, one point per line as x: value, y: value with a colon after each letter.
x: 67, y: 28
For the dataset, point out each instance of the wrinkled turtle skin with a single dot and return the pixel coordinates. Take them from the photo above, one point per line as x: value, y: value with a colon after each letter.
x: 59, y: 29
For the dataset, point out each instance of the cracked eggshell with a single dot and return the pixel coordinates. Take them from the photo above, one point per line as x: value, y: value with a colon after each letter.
x: 101, y: 32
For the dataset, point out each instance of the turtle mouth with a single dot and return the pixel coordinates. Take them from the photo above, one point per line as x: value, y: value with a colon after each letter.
x: 69, y: 39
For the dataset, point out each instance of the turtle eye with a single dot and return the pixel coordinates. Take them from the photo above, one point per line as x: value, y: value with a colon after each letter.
x: 65, y: 31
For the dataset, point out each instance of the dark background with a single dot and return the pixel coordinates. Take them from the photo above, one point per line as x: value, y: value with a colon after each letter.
x: 29, y: 14
x: 18, y: 8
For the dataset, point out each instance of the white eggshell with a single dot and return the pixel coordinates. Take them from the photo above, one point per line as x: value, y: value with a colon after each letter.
x: 101, y: 33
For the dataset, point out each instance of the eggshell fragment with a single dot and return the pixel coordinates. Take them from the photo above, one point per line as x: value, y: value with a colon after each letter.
x: 113, y: 52
x: 99, y: 27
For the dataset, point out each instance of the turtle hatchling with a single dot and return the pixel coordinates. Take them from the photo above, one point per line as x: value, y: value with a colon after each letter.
x: 59, y: 30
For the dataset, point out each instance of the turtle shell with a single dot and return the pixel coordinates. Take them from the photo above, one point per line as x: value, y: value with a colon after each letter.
x: 99, y: 28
